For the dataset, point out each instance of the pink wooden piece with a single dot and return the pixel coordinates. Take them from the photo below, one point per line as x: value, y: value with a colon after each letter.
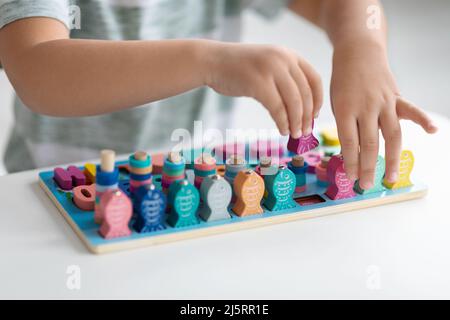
x: 69, y: 178
x: 84, y: 197
x: 116, y: 210
x: 303, y: 144
x: 340, y: 186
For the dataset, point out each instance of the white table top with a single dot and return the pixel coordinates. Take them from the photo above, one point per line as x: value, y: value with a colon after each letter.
x: 394, y: 251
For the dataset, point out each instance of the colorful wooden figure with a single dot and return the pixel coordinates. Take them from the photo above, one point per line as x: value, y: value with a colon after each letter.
x: 68, y: 178
x: 340, y: 187
x: 107, y: 179
x: 249, y: 191
x: 84, y: 197
x: 406, y: 167
x: 299, y: 167
x: 321, y: 172
x: 204, y: 166
x: 116, y: 210
x: 216, y: 194
x: 378, y: 181
x: 281, y: 188
x: 184, y: 200
x: 150, y: 206
x: 303, y: 144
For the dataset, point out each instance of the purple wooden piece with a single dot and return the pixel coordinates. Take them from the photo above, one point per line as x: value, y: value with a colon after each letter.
x: 69, y: 178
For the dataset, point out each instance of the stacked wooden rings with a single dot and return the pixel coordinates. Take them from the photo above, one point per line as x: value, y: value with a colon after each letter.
x: 299, y: 167
x: 204, y: 166
x: 140, y: 170
x: 233, y: 166
x: 104, y: 181
x: 173, y: 170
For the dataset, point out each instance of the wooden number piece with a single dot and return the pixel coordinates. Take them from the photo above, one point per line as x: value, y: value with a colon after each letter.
x: 249, y: 191
x: 378, y: 181
x: 404, y: 172
x: 216, y: 194
x: 281, y: 189
x: 184, y: 200
x: 116, y: 210
x: 84, y: 197
x: 340, y: 187
x: 303, y: 144
x: 150, y: 206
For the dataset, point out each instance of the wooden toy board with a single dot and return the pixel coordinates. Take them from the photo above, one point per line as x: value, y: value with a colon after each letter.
x: 310, y: 204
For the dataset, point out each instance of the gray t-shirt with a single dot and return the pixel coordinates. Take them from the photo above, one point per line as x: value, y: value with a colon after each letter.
x: 38, y: 140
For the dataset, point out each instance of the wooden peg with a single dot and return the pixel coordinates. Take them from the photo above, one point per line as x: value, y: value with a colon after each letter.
x: 280, y: 189
x: 406, y: 167
x: 174, y: 157
x: 150, y: 207
x: 116, y: 211
x: 299, y: 167
x: 107, y: 160
x: 216, y: 194
x: 378, y: 181
x: 340, y: 187
x: 184, y: 200
x: 321, y: 171
x: 249, y: 191
x: 266, y: 167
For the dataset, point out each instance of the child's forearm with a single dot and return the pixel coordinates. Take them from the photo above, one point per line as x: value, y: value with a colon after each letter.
x: 346, y: 22
x: 349, y: 23
x: 88, y: 77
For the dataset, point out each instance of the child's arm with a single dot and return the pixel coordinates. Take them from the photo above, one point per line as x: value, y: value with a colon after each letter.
x: 364, y: 94
x: 58, y: 76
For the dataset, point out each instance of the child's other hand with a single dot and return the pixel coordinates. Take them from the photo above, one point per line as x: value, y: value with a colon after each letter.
x: 287, y: 85
x: 364, y: 98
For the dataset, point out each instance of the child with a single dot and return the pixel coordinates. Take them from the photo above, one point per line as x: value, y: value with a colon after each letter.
x: 78, y: 91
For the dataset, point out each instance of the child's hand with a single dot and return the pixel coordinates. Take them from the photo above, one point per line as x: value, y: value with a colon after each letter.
x: 289, y: 88
x: 365, y: 98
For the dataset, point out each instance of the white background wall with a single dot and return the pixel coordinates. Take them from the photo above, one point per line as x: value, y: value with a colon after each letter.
x: 419, y: 51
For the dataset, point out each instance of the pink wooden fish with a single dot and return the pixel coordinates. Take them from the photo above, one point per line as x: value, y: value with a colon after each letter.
x: 340, y: 187
x: 303, y: 144
x: 116, y: 210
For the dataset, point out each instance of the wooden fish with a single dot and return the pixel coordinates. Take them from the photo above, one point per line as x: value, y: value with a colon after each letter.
x: 378, y: 181
x: 116, y: 210
x: 184, y: 200
x: 404, y: 172
x: 150, y: 205
x: 249, y: 190
x: 303, y: 144
x: 216, y: 194
x: 340, y: 187
x: 280, y: 189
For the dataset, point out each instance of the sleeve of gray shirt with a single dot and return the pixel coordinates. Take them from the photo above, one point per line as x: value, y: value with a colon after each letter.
x: 12, y: 10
